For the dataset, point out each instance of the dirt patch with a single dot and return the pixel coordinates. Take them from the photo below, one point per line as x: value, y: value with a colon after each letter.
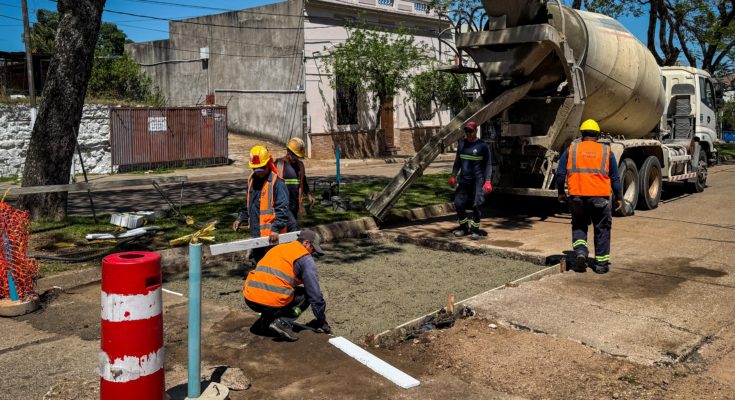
x: 371, y: 286
x: 538, y: 366
x: 74, y: 313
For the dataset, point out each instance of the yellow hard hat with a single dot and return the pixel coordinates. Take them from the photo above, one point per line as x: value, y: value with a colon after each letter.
x: 590, y: 125
x: 259, y: 157
x: 296, y: 145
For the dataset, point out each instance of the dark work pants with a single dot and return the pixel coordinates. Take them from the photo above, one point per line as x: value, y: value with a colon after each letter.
x: 595, y: 211
x: 289, y: 312
x: 469, y: 195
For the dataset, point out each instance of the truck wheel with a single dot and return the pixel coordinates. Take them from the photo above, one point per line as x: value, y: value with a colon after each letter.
x: 651, y: 184
x: 629, y: 180
x: 700, y: 182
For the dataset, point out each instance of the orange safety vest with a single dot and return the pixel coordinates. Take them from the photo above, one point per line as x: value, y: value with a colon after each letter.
x: 588, y: 168
x: 267, y: 212
x: 280, y: 165
x: 272, y: 282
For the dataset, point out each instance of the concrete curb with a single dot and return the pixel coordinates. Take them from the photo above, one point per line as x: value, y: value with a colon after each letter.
x: 70, y: 279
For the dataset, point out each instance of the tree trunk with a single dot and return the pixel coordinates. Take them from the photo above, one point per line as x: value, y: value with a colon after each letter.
x: 386, y: 123
x: 51, y: 149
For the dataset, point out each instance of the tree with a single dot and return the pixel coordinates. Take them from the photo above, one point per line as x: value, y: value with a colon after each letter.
x: 53, y: 140
x: 438, y: 87
x: 114, y: 74
x: 378, y: 62
x: 728, y: 116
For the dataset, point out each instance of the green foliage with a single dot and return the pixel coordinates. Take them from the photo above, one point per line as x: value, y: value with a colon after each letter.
x: 43, y: 32
x: 115, y: 75
x: 121, y: 78
x: 440, y: 87
x: 728, y: 116
x: 375, y: 60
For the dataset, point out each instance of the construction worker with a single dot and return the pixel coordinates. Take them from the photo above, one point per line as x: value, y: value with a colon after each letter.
x: 266, y: 205
x: 591, y: 173
x: 291, y: 169
x: 274, y: 289
x: 473, y: 167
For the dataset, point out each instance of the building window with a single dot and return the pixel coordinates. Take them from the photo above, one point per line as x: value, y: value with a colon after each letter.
x: 424, y: 111
x: 385, y: 3
x: 346, y: 104
x: 421, y: 7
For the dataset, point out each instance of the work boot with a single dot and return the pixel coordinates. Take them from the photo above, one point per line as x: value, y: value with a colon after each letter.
x: 283, y: 329
x: 601, y: 269
x: 462, y: 231
x: 474, y: 234
x: 581, y: 264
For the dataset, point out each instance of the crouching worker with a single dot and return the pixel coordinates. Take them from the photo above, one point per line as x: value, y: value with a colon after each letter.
x: 274, y: 288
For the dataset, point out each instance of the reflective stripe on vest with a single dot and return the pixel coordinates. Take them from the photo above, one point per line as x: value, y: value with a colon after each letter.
x: 470, y: 157
x: 588, y: 169
x: 280, y: 165
x: 267, y: 213
x: 272, y: 282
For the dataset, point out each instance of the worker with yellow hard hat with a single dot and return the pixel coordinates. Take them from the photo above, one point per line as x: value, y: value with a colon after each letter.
x: 266, y: 204
x: 291, y: 169
x: 590, y: 172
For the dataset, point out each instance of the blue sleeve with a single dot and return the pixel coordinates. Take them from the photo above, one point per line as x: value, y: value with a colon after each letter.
x: 280, y: 206
x: 488, y: 170
x: 457, y: 163
x: 615, y: 178
x: 561, y: 172
x: 305, y: 269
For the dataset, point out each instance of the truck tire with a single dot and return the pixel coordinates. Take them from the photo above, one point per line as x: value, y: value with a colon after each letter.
x: 700, y: 182
x: 651, y: 184
x: 629, y: 181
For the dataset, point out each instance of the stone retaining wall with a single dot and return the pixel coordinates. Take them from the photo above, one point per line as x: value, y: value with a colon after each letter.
x: 94, y: 139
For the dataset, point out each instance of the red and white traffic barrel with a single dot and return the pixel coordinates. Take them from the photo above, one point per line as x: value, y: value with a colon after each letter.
x: 131, y: 360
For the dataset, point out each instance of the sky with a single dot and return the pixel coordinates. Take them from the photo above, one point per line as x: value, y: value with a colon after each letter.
x: 142, y: 29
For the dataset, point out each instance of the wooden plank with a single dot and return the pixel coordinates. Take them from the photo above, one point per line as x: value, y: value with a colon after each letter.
x: 95, y: 186
x: 381, y: 367
x: 248, y: 244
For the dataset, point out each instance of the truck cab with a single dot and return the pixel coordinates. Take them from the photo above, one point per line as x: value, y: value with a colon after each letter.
x: 692, y: 102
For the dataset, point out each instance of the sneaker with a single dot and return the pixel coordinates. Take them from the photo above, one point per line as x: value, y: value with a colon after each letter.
x: 459, y: 233
x: 581, y: 262
x: 601, y: 269
x: 283, y: 329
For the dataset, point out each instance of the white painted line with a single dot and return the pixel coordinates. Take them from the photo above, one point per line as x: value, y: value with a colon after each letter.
x: 247, y: 244
x: 172, y: 292
x: 120, y: 307
x: 129, y: 368
x: 388, y: 371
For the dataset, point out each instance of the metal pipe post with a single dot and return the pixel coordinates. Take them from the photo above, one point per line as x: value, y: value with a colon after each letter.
x: 337, y: 157
x: 195, y: 313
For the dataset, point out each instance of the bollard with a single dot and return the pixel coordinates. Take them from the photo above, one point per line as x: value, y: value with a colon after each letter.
x: 131, y: 360
x: 337, y: 156
x: 195, y: 313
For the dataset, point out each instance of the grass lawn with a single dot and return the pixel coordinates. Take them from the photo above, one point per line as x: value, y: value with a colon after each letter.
x: 727, y: 149
x: 427, y: 190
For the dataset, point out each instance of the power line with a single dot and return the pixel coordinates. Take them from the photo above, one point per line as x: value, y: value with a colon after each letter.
x: 246, y: 11
x: 202, y: 37
x: 9, y: 17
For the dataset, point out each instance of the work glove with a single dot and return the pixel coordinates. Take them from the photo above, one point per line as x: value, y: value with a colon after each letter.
x: 273, y: 238
x: 320, y: 327
x: 452, y: 182
x: 487, y: 187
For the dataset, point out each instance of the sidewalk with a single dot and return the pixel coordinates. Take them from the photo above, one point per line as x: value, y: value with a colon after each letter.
x: 669, y: 292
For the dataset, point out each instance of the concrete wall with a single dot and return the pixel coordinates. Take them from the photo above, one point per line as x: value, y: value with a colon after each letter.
x: 94, y: 139
x: 255, y: 67
x: 326, y: 27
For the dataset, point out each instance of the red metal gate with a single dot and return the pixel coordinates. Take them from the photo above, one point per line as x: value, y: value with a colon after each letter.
x: 144, y: 137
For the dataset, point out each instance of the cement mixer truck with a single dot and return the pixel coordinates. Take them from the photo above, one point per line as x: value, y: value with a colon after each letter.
x: 547, y: 67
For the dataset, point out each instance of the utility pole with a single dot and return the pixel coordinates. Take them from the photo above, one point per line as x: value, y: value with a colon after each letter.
x: 29, y: 62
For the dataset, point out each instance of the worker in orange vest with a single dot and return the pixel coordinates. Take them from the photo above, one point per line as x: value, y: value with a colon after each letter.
x: 274, y: 288
x: 591, y: 174
x: 266, y: 204
x: 291, y: 169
